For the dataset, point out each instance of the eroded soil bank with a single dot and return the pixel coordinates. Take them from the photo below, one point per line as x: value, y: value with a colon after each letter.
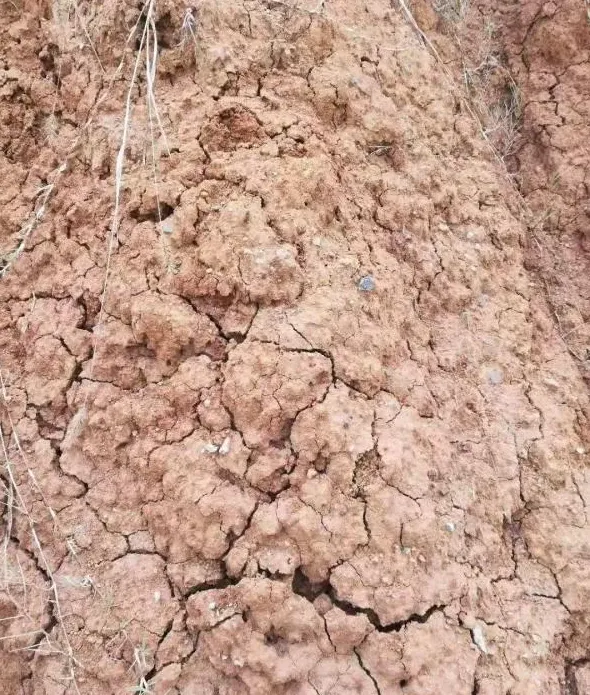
x: 326, y: 430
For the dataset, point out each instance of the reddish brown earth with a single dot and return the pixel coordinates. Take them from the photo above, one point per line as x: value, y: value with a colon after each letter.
x: 541, y: 51
x: 247, y: 474
x: 548, y: 45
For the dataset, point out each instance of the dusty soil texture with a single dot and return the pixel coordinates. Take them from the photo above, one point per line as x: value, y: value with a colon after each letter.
x: 548, y: 45
x: 325, y: 431
x: 533, y: 58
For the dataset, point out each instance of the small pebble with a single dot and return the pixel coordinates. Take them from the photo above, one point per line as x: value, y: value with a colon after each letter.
x: 450, y: 526
x: 157, y: 596
x: 479, y: 639
x: 495, y: 377
x: 225, y: 447
x: 212, y: 606
x: 210, y: 449
x: 580, y: 450
x: 167, y: 227
x: 367, y: 284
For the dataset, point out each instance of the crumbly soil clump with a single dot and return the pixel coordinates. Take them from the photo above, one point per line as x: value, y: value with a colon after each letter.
x: 286, y: 407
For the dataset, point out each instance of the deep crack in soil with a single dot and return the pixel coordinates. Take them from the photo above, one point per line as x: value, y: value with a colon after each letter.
x: 326, y: 429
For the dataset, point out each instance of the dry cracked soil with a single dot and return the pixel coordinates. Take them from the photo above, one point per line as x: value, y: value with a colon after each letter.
x: 294, y: 347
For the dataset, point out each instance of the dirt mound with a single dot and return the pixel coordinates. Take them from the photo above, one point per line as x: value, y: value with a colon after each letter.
x: 549, y: 49
x: 284, y: 409
x: 526, y: 64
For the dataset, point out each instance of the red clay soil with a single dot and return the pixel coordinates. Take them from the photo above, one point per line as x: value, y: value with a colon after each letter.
x: 328, y: 433
x: 544, y: 48
x: 548, y: 48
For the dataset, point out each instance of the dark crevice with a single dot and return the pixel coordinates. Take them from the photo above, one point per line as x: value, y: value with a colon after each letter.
x: 58, y: 452
x: 149, y: 676
x: 52, y: 621
x: 369, y: 674
x: 31, y: 555
x: 141, y: 22
x: 232, y: 537
x: 222, y: 583
x: 570, y: 680
x: 351, y: 609
x: 156, y: 216
x: 303, y: 586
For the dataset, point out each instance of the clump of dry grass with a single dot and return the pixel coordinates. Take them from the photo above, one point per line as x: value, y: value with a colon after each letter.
x: 16, y: 470
x: 497, y: 98
x: 493, y: 94
x: 141, y: 657
x: 504, y: 118
x: 16, y: 503
x: 63, y: 12
x: 451, y: 10
x: 38, y: 213
x: 146, y: 56
x: 498, y: 124
x: 70, y: 22
x: 189, y: 26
